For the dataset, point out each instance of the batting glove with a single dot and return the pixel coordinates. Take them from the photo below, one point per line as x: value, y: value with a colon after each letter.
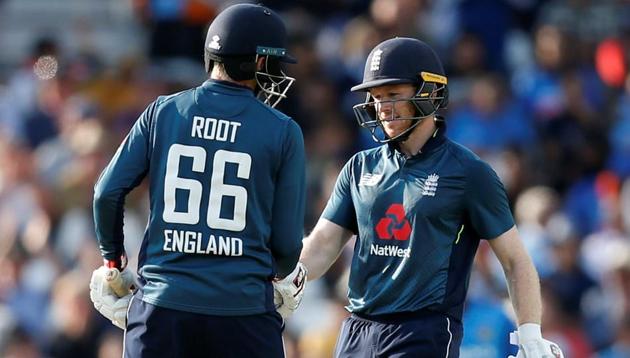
x: 288, y: 292
x: 110, y: 292
x: 531, y: 344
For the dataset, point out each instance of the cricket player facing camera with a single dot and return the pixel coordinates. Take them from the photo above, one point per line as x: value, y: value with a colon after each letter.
x: 218, y: 265
x: 419, y: 206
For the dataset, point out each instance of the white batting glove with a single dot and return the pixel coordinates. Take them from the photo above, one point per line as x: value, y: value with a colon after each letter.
x: 110, y: 292
x: 288, y: 292
x: 531, y: 344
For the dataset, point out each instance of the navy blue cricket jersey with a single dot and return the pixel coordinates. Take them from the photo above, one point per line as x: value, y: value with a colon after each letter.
x: 226, y: 179
x: 418, y: 223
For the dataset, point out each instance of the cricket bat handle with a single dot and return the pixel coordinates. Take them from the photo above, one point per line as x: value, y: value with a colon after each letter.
x: 116, y: 282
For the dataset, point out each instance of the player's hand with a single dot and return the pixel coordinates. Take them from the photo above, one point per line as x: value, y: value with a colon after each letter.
x: 120, y: 280
x: 110, y: 292
x: 288, y: 292
x: 531, y: 344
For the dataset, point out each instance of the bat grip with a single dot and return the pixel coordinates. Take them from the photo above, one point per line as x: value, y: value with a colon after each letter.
x: 116, y: 282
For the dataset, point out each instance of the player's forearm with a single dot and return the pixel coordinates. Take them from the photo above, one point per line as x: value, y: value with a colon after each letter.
x: 524, y: 288
x: 286, y: 264
x: 322, y: 247
x: 318, y: 255
x: 108, y: 223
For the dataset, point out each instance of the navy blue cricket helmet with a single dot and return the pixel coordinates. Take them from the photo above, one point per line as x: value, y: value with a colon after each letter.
x: 402, y: 60
x: 239, y: 36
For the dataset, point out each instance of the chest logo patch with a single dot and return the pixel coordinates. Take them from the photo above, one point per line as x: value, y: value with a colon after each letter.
x: 369, y: 179
x: 430, y: 185
x: 394, y: 224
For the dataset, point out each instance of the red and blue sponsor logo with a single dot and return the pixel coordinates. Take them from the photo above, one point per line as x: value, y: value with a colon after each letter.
x: 394, y: 225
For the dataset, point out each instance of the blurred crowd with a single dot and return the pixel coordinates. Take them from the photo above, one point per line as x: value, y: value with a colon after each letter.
x: 539, y: 89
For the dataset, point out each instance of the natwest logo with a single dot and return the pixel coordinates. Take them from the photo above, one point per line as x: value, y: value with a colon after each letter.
x: 394, y: 224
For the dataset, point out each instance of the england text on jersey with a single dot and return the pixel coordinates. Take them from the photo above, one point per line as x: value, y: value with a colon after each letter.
x: 191, y: 242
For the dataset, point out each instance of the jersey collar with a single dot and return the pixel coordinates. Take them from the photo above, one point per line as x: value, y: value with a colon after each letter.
x: 227, y: 87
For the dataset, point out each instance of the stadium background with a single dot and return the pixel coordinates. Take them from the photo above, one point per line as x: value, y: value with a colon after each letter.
x: 539, y: 89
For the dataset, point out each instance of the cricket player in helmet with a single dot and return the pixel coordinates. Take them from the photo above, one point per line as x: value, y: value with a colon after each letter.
x: 419, y: 206
x: 217, y: 269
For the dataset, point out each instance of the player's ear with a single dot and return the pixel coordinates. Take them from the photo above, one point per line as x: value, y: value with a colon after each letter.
x: 261, y: 63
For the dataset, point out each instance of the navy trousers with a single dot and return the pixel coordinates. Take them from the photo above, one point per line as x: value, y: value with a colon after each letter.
x: 413, y: 334
x: 154, y: 331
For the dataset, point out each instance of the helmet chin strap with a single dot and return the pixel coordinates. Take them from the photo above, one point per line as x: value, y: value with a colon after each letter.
x: 406, y: 133
x: 402, y: 137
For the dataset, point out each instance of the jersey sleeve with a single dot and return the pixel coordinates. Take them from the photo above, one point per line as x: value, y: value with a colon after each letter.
x: 287, y: 218
x: 340, y: 208
x: 124, y: 172
x: 486, y: 201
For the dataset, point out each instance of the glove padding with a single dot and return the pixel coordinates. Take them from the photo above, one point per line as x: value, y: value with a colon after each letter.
x: 288, y: 292
x: 531, y: 344
x: 110, y: 292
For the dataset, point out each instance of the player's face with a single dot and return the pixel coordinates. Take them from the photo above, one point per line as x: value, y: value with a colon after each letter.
x: 390, y: 108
